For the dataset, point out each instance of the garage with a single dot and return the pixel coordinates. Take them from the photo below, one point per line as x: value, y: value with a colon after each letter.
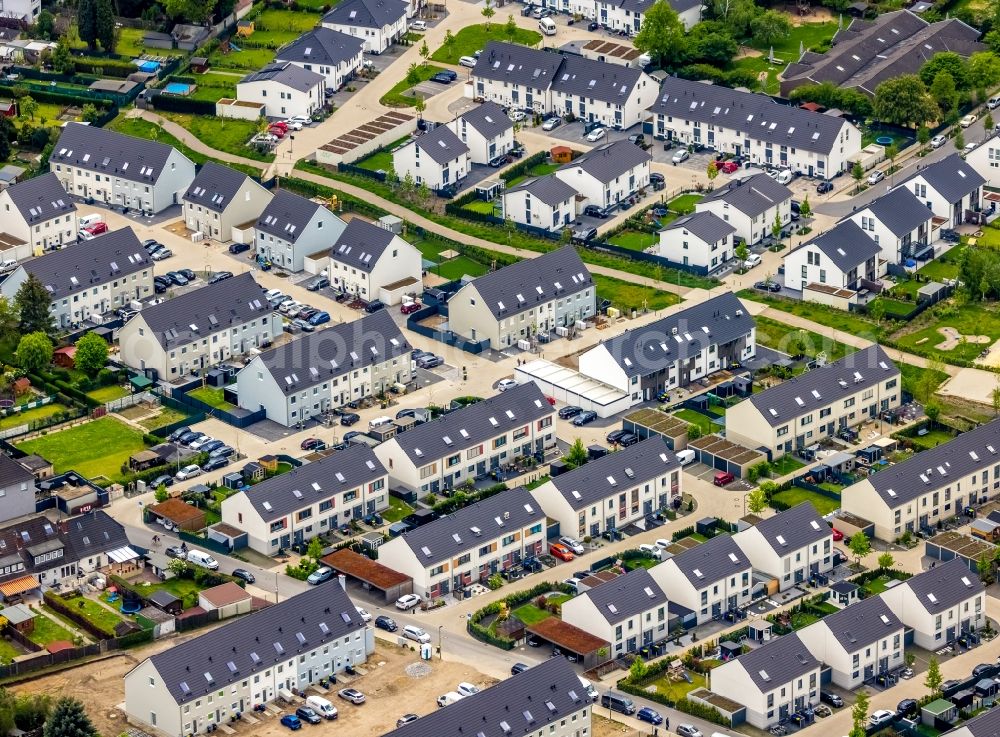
x: 723, y: 455
x: 571, y: 387
x: 571, y: 640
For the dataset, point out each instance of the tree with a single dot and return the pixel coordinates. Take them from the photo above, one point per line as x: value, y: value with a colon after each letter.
x: 45, y: 26
x: 86, y: 22
x: 891, y: 152
x: 5, y: 149
x: 510, y: 29
x: 161, y: 495
x: 424, y: 51
x: 776, y: 228
x: 742, y: 253
x: 857, y: 173
x: 315, y: 549
x: 662, y: 33
x: 10, y: 319
x: 31, y: 711
x: 886, y: 561
x: 945, y: 61
x: 712, y: 172
x: 983, y: 70
x: 62, y: 60
x: 923, y: 135
x: 984, y: 567
x: 488, y: 13
x: 420, y: 105
x: 859, y: 714
x: 988, y: 122
x: 577, y: 454
x: 959, y: 140
x: 69, y: 719
x: 903, y: 100
x: 945, y: 93
x: 860, y: 546
x: 637, y: 671
x: 449, y: 39
x: 933, y: 679
x: 27, y: 106
x: 769, y: 27
x: 91, y: 354
x: 106, y: 25
x: 413, y: 74
x: 192, y: 11
x: 8, y: 708
x: 756, y: 501
x: 876, y: 311
x: 90, y: 113
x: 805, y: 209
x: 737, y: 14
x: 933, y: 411
x: 34, y: 351
x: 34, y: 306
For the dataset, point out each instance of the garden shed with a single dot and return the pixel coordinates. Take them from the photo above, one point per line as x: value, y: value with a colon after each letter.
x: 65, y: 357
x: 234, y: 480
x: 932, y: 292
x: 759, y: 630
x: 228, y: 598
x: 20, y: 617
x: 225, y: 534
x: 145, y: 459
x: 939, y: 714
x: 163, y: 599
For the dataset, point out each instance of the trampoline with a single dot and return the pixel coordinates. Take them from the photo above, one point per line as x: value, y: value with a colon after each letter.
x: 884, y: 140
x: 131, y: 602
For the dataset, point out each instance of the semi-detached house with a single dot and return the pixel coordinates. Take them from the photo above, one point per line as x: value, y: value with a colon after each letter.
x: 310, y: 500
x: 842, y: 258
x: 378, y: 23
x: 754, y: 127
x: 38, y: 216
x: 469, y: 545
x: 17, y: 489
x: 950, y: 187
x: 367, y: 257
x: 470, y: 442
x: 115, y: 169
x: 292, y: 227
x: 437, y: 159
x: 899, y: 223
x: 335, y: 55
x: 207, y: 680
x: 751, y: 205
x: 628, y: 15
x: 284, y: 89
x: 544, y: 202
x: 701, y: 239
x: 608, y: 174
x: 486, y: 130
x: 790, y: 547
x: 220, y: 199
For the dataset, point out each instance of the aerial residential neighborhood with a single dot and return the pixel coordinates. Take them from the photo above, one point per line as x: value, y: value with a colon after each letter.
x: 605, y: 368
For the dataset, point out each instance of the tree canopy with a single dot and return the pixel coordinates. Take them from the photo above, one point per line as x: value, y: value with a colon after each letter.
x: 34, y: 304
x: 91, y: 353
x: 903, y: 100
x: 662, y: 33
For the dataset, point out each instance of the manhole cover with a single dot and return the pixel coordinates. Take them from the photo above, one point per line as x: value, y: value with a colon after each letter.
x: 418, y: 670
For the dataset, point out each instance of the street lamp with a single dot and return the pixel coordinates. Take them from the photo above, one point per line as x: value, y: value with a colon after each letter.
x: 440, y: 654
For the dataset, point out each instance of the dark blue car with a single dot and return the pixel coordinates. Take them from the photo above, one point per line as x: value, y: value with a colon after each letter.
x: 319, y: 318
x: 645, y: 714
x: 291, y: 721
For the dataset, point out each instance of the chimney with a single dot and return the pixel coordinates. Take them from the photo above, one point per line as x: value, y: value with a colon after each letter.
x: 342, y: 579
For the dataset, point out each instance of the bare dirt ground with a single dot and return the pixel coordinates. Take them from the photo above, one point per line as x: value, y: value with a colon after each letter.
x: 601, y: 727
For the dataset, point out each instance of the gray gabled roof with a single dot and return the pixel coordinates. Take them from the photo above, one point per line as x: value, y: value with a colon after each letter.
x: 40, y: 198
x: 792, y: 529
x: 322, y: 46
x: 287, y: 74
x: 474, y: 424
x: 215, y: 186
x: 598, y: 80
x: 966, y: 454
x: 711, y: 562
x: 234, y: 652
x: 287, y: 215
x: 946, y: 585
x: 846, y: 245
x: 361, y: 244
x: 89, y: 264
x: 326, y: 354
x: 615, y: 473
x: 488, y: 119
x: 951, y: 177
x: 824, y: 386
x: 900, y: 211
x: 315, y: 482
x: 986, y: 724
x: 707, y: 226
x: 441, y: 144
x: 608, y: 162
x: 750, y: 195
x: 626, y: 596
x: 366, y: 13
x: 544, y: 694
x: 524, y: 284
x: 201, y: 312
x: 755, y: 115
x: 776, y: 663
x: 862, y: 623
x: 506, y: 62
x: 13, y: 473
x: 549, y: 189
x: 110, y: 153
x: 473, y: 526
x: 683, y: 334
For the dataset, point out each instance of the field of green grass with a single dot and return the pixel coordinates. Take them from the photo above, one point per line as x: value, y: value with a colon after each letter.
x: 634, y: 240
x: 397, y: 97
x: 95, y: 613
x: 538, y: 170
x: 130, y: 44
x: 144, y: 129
x: 224, y: 134
x: 96, y: 448
x: 48, y: 631
x: 676, y: 690
x: 108, y: 393
x: 759, y: 65
x: 397, y: 510
x: 829, y: 316
x: 627, y: 296
x: 8, y: 651
x: 797, y: 495
x: 213, y: 86
x: 381, y: 159
x: 458, y: 267
x: 166, y: 416
x: 31, y: 415
x: 813, y: 36
x: 779, y: 336
x: 212, y: 396
x: 786, y: 464
x: 696, y: 418
x: 486, y: 207
x: 474, y: 38
x: 684, y: 204
x: 969, y: 319
x: 945, y: 267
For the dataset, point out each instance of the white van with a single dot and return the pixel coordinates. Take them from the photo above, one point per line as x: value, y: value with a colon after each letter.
x: 993, y: 102
x: 449, y: 698
x: 547, y: 26
x: 686, y: 456
x: 8, y: 266
x: 322, y: 707
x: 379, y: 422
x: 201, y: 558
x: 589, y: 688
x: 85, y: 221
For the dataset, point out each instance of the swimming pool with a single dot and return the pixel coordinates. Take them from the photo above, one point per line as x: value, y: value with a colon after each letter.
x: 178, y: 88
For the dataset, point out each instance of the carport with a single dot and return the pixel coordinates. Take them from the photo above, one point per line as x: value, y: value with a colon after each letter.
x: 572, y: 387
x: 179, y: 514
x: 652, y: 422
x: 722, y: 455
x: 572, y: 639
x: 372, y: 575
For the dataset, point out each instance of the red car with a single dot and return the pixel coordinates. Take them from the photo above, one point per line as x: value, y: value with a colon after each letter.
x: 551, y: 400
x: 561, y: 552
x: 837, y: 535
x: 722, y: 478
x: 728, y: 167
x: 309, y: 443
x: 277, y: 131
x: 96, y: 229
x: 280, y: 124
x: 409, y: 307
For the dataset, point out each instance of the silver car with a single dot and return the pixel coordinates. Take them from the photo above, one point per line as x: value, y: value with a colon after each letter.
x: 573, y: 544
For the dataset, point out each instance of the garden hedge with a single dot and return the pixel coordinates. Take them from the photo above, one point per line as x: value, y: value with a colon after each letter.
x: 512, y: 601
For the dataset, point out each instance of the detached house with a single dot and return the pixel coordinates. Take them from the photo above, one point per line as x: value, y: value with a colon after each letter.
x: 38, y: 216
x: 469, y: 545
x: 773, y: 681
x: 627, y: 15
x: 844, y: 258
x: 750, y: 205
x: 437, y: 159
x: 790, y: 547
x: 702, y: 239
x: 486, y: 130
x: 710, y: 579
x: 221, y: 198
x: 899, y: 223
x: 313, y: 499
x: 308, y: 377
x: 818, y: 404
x: 940, y: 604
x: 544, y: 202
x: 90, y: 279
x: 292, y: 227
x: 524, y: 299
x: 337, y: 56
x: 120, y: 170
x: 284, y: 89
x: 950, y: 187
x: 367, y: 257
x: 378, y: 23
x: 676, y: 350
x: 857, y: 643
x: 199, y: 329
x: 608, y: 174
x: 470, y: 442
x: 629, y: 611
x: 612, y: 492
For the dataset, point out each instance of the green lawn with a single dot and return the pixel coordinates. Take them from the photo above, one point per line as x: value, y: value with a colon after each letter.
x: 774, y: 334
x: 108, y: 393
x: 458, y: 267
x: 177, y: 586
x: 786, y: 464
x: 969, y: 319
x: 486, y: 207
x: 877, y: 585
x: 166, y: 416
x: 398, y: 97
x: 538, y: 170
x: 223, y: 134
x: 97, y: 448
x: 211, y: 396
x: 760, y: 66
x: 381, y: 159
x: 946, y: 267
x: 632, y: 563
x: 803, y: 619
x: 530, y: 614
x: 634, y: 240
x: 870, y: 132
x: 285, y: 21
x: 8, y: 651
x: 684, y: 204
x: 213, y: 87
x: 32, y: 415
x: 628, y: 296
x: 679, y: 689
x: 797, y: 495
x: 245, y: 60
x: 47, y: 631
x: 95, y: 613
x: 828, y: 316
x: 397, y: 510
x: 474, y: 38
x: 130, y: 44
x: 913, y: 377
x: 933, y: 438
x: 815, y: 36
x: 706, y: 426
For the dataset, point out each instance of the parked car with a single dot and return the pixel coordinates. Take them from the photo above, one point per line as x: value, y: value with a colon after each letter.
x: 219, y: 276
x: 320, y: 575
x: 441, y: 78
x: 505, y: 384
x: 92, y: 231
x: 239, y: 248
x: 177, y: 278
x: 467, y: 689
x: 518, y: 668
x: 188, y: 274
x: 681, y: 156
x: 824, y: 187
x: 162, y: 255
x: 552, y: 123
x: 365, y: 616
x: 200, y: 442
x: 876, y: 176
x: 729, y: 167
x: 408, y: 308
x: 688, y: 730
x: 417, y: 634
x: 386, y: 623
x: 418, y: 25
x: 752, y: 260
x: 497, y: 161
x: 319, y: 318
x: 595, y: 212
x: 214, y: 464
x: 407, y: 602
x: 223, y: 451
x: 646, y: 714
x: 211, y: 445
x: 175, y: 551
x: 188, y: 472
x: 304, y: 325
x: 374, y: 306
x: 596, y: 135
x: 429, y: 362
x: 308, y: 714
x: 572, y: 544
x: 628, y: 439
x: 317, y: 283
x: 406, y: 719
x: 906, y: 707
x: 162, y: 480
x: 291, y: 721
x: 938, y: 141
x: 349, y: 418
x: 767, y: 286
x: 584, y: 418
x: 837, y: 535
x: 309, y: 443
x: 566, y: 413
x: 880, y: 718
x: 467, y: 61
x: 561, y: 552
x: 828, y: 697
x: 243, y: 574
x: 517, y: 116
x: 653, y: 551
x: 352, y: 694
x: 983, y: 670
x: 615, y: 435
x: 968, y: 120
x: 722, y: 478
